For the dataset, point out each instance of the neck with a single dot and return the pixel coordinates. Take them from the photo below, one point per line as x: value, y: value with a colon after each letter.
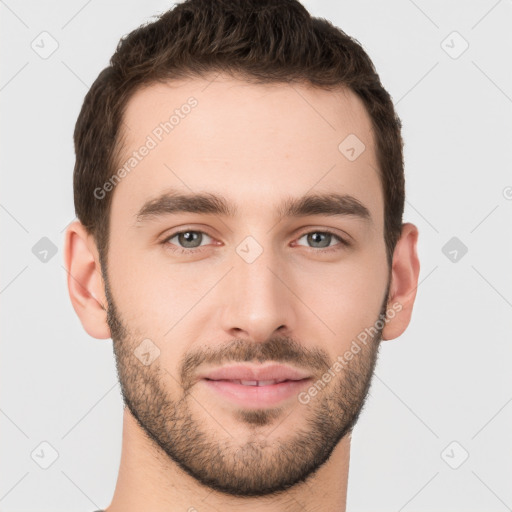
x: 148, y: 480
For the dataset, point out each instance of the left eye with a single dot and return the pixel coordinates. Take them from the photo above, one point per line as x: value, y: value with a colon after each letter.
x: 321, y: 239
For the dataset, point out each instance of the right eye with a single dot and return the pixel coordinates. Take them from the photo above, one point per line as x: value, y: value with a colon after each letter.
x: 189, y: 240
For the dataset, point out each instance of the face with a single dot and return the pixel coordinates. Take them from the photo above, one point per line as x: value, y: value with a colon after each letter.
x: 286, y: 267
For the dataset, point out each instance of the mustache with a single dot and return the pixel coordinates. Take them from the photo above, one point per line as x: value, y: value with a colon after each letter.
x: 276, y: 349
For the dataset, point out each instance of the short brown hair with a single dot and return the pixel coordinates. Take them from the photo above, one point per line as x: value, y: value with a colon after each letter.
x: 260, y: 41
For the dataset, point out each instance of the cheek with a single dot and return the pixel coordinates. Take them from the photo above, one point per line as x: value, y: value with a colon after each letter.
x: 159, y: 300
x: 347, y: 296
x: 145, y: 294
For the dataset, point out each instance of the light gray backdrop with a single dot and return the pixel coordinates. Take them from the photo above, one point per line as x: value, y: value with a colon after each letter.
x: 435, y: 434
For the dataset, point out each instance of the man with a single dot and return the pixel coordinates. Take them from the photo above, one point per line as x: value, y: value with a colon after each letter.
x: 239, y: 188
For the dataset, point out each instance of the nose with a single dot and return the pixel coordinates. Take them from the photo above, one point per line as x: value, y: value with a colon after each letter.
x: 257, y: 298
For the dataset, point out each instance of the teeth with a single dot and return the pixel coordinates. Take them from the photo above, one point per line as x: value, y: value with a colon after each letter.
x: 257, y: 382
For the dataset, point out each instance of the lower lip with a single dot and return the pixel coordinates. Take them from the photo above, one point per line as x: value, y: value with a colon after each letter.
x: 256, y: 396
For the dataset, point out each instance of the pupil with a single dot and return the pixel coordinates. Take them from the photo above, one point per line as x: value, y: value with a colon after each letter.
x: 316, y: 238
x: 189, y: 236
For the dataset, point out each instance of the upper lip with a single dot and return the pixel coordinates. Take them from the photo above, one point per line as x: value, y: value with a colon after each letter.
x: 255, y: 373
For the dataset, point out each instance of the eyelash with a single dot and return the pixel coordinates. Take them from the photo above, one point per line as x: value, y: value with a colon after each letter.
x: 184, y: 250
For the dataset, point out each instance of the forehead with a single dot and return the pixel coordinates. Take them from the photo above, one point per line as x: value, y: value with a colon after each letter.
x: 248, y: 141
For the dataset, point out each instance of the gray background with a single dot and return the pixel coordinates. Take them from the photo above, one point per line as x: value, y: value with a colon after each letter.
x: 441, y: 391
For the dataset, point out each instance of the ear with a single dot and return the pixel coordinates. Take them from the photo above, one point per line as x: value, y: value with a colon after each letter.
x: 85, y: 282
x: 404, y: 282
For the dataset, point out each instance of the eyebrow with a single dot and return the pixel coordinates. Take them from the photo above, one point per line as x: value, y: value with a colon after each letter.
x: 173, y: 202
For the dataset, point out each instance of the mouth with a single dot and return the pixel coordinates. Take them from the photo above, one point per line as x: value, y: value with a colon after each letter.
x: 250, y: 374
x: 255, y: 386
x: 252, y: 382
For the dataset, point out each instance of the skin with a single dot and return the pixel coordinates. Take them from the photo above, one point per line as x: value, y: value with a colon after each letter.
x: 184, y: 446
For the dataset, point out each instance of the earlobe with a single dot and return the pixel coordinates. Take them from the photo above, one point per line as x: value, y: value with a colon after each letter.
x: 85, y: 282
x: 404, y: 282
